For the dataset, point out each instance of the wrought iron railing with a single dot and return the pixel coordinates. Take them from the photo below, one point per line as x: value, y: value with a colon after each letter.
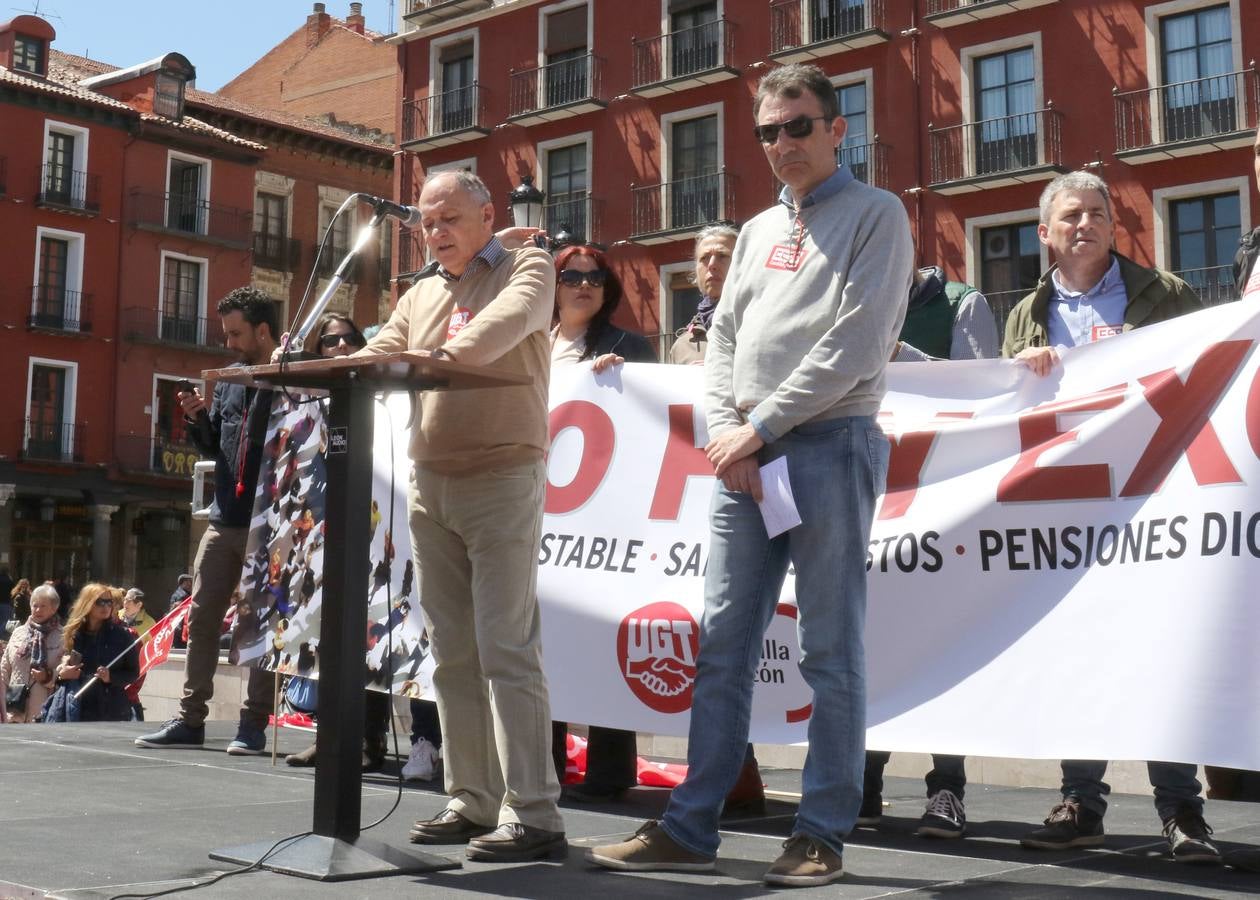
x: 1214, y: 285
x: 1001, y: 303
x: 997, y: 146
x: 688, y: 51
x: 799, y: 23
x: 54, y: 440
x: 570, y: 212
x: 868, y: 162
x: 54, y: 307
x: 384, y: 273
x: 191, y: 215
x: 275, y: 251
x: 154, y: 325
x: 449, y: 111
x: 4, y: 173
x: 555, y: 84
x: 411, y: 251
x: 1187, y: 110
x: 936, y: 7
x: 69, y: 188
x: 682, y: 204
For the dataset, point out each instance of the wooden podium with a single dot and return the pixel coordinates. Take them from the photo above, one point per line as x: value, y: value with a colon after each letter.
x: 335, y: 851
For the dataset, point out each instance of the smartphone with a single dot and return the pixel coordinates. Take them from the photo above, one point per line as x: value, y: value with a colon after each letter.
x: 186, y: 386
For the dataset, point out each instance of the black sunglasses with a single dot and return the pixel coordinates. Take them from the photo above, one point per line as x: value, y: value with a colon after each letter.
x: 103, y: 601
x: 801, y: 126
x: 574, y: 277
x: 328, y: 341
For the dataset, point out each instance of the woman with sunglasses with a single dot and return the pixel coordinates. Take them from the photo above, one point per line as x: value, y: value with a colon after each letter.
x: 587, y: 293
x: 94, y: 637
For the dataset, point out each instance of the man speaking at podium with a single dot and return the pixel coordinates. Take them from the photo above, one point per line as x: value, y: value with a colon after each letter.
x: 475, y: 507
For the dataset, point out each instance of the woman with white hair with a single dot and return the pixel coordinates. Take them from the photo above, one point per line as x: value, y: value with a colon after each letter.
x: 26, y: 669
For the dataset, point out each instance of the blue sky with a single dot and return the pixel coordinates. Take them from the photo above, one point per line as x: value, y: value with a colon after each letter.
x: 221, y: 38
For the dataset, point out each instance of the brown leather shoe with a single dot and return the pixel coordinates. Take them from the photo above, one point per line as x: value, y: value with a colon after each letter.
x: 748, y: 797
x: 447, y: 827
x: 514, y: 842
x: 305, y: 759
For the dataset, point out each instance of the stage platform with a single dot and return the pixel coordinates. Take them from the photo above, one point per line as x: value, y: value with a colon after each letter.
x: 86, y: 814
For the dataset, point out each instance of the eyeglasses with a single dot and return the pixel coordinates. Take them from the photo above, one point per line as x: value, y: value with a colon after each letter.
x: 328, y: 341
x: 574, y: 277
x: 801, y: 126
x: 103, y: 601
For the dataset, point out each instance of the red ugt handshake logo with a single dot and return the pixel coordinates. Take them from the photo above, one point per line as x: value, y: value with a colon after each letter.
x: 657, y: 647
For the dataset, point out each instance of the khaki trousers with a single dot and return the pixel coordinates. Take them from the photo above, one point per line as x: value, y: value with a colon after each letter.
x: 216, y: 575
x: 475, y: 543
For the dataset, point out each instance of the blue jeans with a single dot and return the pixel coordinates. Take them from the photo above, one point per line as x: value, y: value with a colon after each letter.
x: 836, y: 468
x: 1176, y: 786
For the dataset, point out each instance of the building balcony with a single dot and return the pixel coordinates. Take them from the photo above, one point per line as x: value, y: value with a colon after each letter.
x: 187, y: 216
x: 868, y: 162
x: 140, y: 453
x: 1018, y: 149
x: 53, y: 308
x: 275, y: 251
x: 384, y: 273
x: 411, y: 252
x: 801, y: 30
x: 426, y: 13
x: 676, y: 210
x: 684, y: 59
x: 577, y: 214
x: 330, y: 259
x: 1188, y: 118
x: 945, y: 13
x: 152, y: 326
x: 452, y: 117
x: 1214, y: 285
x: 68, y: 190
x: 557, y: 90
x: 52, y: 441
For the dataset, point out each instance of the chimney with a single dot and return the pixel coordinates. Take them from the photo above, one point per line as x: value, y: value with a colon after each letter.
x: 317, y: 25
x: 354, y: 21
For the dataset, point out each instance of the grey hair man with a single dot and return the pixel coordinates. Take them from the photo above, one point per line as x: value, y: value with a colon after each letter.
x: 794, y: 371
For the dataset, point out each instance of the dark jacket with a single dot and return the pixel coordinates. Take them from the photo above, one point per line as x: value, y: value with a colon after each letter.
x: 629, y: 346
x: 1245, y: 259
x: 102, y: 702
x: 1154, y: 296
x: 232, y: 408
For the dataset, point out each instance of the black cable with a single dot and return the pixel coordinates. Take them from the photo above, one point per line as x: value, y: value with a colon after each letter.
x: 271, y: 851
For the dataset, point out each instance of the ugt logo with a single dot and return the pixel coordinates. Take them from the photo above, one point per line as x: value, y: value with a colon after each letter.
x: 657, y: 646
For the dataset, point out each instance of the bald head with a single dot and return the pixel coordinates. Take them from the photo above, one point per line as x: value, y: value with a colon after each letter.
x: 457, y: 218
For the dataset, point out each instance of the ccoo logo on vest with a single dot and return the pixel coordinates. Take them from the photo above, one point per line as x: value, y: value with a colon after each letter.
x: 657, y: 646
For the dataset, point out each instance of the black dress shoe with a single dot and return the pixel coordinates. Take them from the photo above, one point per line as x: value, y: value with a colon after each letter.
x: 304, y: 759
x: 447, y: 827
x: 591, y: 793
x: 514, y: 842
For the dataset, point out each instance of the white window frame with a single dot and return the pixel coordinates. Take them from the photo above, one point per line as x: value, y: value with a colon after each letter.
x: 435, y: 51
x: 1154, y: 77
x: 80, y: 163
x: 542, y: 148
x: 162, y: 376
x: 667, y: 123
x: 973, y: 226
x: 547, y: 11
x: 74, y: 264
x: 864, y: 77
x: 279, y: 186
x: 665, y: 298
x: 1161, y: 199
x: 721, y: 13
x: 202, y: 290
x: 72, y: 387
x: 455, y: 165
x: 967, y: 58
x: 203, y: 185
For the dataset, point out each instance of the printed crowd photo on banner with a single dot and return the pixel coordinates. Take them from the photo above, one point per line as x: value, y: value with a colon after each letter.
x: 1097, y: 518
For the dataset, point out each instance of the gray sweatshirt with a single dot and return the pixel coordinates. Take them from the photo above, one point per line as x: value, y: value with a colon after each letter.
x: 806, y: 336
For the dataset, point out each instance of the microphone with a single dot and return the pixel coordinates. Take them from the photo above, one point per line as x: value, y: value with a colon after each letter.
x: 408, y: 215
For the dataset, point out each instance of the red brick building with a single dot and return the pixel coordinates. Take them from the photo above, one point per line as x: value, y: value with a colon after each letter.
x: 130, y: 203
x: 635, y: 120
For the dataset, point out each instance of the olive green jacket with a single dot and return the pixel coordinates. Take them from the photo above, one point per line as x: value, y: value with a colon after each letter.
x: 1154, y: 296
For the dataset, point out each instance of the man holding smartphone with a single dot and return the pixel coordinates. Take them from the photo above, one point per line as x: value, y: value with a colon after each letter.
x: 231, y: 431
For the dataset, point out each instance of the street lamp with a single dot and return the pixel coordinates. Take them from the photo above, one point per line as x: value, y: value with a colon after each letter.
x: 527, y: 204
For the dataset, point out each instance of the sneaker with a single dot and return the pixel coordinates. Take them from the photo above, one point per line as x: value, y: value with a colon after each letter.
x: 805, y: 862
x: 650, y: 850
x: 174, y: 734
x: 421, y: 765
x: 872, y: 810
x: 1068, y: 825
x: 944, y: 818
x: 1188, y: 839
x: 250, y: 741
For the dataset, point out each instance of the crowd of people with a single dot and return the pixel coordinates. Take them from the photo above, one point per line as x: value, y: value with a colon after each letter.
x: 801, y: 311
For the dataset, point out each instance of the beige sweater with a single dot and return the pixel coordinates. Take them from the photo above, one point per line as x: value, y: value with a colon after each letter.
x: 497, y: 318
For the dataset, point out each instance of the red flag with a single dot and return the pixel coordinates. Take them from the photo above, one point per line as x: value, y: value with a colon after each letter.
x: 158, y: 649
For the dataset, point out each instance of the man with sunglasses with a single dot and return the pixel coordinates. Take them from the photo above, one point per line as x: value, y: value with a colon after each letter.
x: 476, y: 496
x: 811, y: 309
